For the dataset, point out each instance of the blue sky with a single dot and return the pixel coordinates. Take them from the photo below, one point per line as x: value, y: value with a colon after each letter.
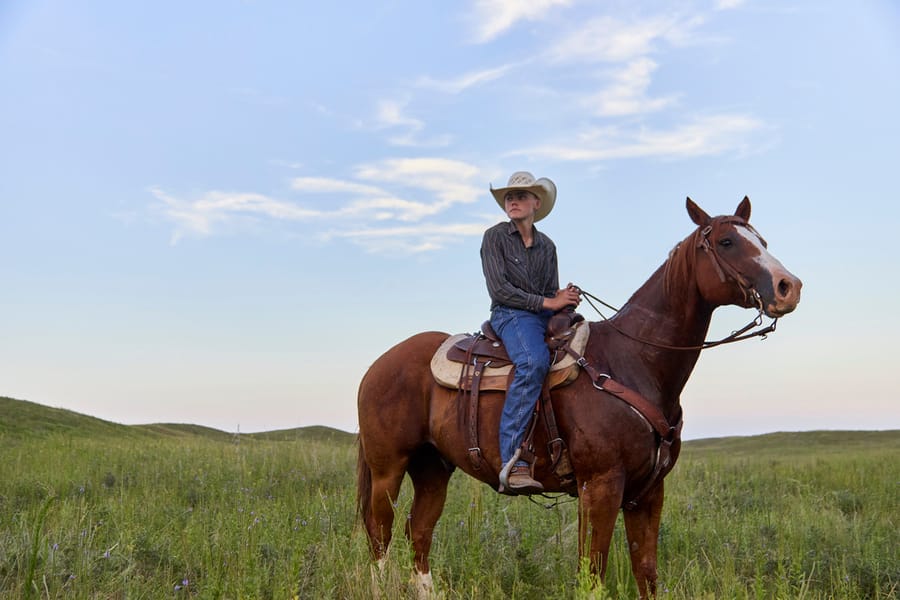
x: 222, y: 212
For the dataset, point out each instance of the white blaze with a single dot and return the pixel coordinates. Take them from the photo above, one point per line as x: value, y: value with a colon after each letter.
x: 765, y: 260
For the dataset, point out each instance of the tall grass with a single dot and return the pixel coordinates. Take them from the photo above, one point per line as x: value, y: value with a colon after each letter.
x: 176, y: 517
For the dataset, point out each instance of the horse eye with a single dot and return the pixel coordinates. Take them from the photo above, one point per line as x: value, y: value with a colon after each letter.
x: 725, y: 242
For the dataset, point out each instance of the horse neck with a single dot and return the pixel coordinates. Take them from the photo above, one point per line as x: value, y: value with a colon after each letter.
x: 676, y: 316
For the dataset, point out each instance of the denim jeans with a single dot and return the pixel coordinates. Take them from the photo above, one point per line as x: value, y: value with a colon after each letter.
x: 522, y: 333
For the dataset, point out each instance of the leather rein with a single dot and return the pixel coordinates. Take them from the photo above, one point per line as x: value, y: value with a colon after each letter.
x: 725, y: 271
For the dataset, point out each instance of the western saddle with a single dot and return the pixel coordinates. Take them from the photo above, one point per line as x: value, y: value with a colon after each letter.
x: 480, y: 351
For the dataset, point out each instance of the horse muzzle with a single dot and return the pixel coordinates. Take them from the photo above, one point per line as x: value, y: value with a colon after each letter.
x: 784, y: 295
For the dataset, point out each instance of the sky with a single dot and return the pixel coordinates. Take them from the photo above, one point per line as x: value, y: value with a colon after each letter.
x: 221, y: 213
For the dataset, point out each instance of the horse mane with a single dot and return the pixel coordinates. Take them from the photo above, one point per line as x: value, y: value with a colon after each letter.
x: 680, y: 265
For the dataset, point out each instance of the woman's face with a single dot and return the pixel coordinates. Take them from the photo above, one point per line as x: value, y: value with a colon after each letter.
x: 521, y: 204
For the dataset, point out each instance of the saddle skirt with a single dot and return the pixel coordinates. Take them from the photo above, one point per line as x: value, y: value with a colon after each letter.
x: 564, y: 369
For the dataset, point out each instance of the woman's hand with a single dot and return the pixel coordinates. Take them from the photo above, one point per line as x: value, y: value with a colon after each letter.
x: 568, y: 296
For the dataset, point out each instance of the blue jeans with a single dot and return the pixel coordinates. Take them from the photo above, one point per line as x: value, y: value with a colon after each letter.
x: 522, y: 333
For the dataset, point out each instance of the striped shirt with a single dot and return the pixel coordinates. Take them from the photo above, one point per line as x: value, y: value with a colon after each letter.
x: 517, y: 276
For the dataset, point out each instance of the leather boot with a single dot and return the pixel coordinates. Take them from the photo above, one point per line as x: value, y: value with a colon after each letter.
x: 521, y: 482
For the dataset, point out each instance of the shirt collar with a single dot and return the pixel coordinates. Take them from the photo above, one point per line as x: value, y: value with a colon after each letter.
x: 511, y: 229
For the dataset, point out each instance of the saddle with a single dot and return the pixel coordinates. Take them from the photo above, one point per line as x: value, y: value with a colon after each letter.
x: 471, y: 363
x: 449, y: 364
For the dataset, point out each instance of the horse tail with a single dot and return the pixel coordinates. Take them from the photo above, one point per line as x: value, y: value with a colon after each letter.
x: 363, y: 484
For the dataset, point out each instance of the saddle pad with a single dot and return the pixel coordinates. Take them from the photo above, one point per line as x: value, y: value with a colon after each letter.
x: 447, y: 372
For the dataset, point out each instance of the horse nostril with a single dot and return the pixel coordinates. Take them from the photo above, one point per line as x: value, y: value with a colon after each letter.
x: 784, y: 288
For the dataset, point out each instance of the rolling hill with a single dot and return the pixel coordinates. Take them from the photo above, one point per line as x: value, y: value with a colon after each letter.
x: 24, y: 419
x: 21, y: 418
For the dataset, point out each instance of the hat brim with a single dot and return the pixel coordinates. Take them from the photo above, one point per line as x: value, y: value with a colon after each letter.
x: 543, y: 188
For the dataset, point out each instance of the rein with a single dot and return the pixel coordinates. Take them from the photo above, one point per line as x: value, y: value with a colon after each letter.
x: 735, y: 336
x: 725, y: 271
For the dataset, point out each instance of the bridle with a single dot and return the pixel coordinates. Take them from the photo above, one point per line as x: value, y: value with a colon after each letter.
x: 725, y: 271
x: 723, y: 268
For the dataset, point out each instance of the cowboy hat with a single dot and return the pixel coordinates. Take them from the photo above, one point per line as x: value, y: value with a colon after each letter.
x: 543, y: 188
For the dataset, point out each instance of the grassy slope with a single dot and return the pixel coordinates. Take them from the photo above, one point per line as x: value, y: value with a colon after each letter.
x: 806, y: 514
x: 20, y: 418
x: 23, y: 419
x: 786, y: 444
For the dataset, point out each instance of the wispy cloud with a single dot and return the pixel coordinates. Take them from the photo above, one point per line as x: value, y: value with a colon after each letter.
x: 327, y: 185
x: 627, y: 93
x: 604, y: 67
x: 492, y: 18
x: 609, y: 39
x: 387, y: 204
x: 450, y: 180
x: 465, y: 81
x: 728, y: 4
x: 217, y: 209
x: 626, y: 43
x: 703, y: 136
x: 415, y: 239
x: 391, y: 114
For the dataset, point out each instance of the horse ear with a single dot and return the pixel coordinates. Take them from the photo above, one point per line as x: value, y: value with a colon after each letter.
x: 698, y: 215
x: 743, y: 209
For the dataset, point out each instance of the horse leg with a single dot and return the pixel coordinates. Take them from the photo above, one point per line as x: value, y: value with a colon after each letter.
x: 380, y: 518
x: 430, y: 476
x: 598, y: 508
x: 642, y: 531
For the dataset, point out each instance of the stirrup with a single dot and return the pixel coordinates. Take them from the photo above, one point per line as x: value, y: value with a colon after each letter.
x: 504, y: 472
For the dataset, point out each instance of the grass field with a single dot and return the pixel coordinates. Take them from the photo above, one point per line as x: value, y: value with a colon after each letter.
x: 91, y: 509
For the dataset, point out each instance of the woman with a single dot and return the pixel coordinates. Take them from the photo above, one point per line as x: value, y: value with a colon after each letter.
x: 520, y: 268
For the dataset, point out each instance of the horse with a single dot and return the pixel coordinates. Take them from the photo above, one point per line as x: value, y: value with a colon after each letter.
x: 408, y: 424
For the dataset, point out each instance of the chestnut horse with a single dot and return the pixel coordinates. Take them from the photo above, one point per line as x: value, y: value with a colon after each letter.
x: 410, y: 425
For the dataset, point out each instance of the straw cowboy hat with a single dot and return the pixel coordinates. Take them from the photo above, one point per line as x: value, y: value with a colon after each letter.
x: 543, y: 188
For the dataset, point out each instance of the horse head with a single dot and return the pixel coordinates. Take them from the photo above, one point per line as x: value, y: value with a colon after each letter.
x: 732, y: 264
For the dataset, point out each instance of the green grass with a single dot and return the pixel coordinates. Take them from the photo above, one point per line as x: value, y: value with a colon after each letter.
x: 90, y: 509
